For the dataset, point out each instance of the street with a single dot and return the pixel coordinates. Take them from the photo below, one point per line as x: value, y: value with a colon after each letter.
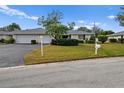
x: 90, y: 73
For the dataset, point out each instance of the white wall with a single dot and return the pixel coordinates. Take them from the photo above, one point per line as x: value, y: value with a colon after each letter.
x: 74, y: 36
x: 87, y: 37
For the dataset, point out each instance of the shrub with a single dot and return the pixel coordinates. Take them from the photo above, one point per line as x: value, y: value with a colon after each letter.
x: 90, y: 41
x: 54, y: 42
x: 9, y: 40
x: 80, y: 41
x: 113, y: 40
x: 102, y: 38
x: 121, y: 40
x: 92, y: 37
x: 65, y: 42
x: 33, y: 42
x: 2, y: 40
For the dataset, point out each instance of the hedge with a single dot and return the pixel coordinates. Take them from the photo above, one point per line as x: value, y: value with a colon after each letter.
x: 120, y: 40
x: 113, y: 40
x: 65, y: 42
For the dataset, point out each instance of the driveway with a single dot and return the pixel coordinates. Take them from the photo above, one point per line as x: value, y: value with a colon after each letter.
x: 12, y: 54
x: 102, y: 72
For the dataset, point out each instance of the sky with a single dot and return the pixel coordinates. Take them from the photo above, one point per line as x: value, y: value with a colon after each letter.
x: 84, y: 15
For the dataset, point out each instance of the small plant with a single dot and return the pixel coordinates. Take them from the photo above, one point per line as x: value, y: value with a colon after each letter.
x: 33, y: 42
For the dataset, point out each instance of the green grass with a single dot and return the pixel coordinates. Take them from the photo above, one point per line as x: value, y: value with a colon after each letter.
x: 63, y: 53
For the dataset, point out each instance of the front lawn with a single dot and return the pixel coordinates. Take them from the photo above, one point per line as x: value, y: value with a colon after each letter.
x: 63, y: 53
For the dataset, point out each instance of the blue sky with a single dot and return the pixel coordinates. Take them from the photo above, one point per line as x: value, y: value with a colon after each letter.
x: 84, y: 15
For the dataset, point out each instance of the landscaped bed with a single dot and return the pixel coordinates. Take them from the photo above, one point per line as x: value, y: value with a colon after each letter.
x: 62, y: 53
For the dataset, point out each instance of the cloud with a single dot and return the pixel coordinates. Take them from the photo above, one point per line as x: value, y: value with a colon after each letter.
x: 96, y: 23
x: 14, y: 12
x: 111, y: 17
x: 81, y: 21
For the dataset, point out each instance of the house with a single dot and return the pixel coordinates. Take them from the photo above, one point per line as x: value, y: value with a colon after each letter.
x: 25, y: 36
x: 116, y: 35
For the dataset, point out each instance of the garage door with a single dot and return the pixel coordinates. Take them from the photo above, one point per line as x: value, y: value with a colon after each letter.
x: 25, y: 38
x: 28, y: 38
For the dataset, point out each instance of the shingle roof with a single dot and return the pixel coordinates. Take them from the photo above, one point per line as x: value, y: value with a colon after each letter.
x: 118, y: 33
x: 39, y: 31
x: 75, y: 32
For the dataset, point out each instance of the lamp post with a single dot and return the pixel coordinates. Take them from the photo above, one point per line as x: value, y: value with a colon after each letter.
x: 41, y: 40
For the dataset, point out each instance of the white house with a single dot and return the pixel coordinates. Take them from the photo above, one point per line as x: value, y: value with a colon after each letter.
x: 116, y: 35
x: 25, y: 36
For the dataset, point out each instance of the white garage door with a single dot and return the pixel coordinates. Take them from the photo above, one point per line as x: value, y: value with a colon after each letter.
x: 28, y: 38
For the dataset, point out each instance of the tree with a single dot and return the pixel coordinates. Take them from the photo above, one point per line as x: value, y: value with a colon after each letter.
x: 84, y: 29
x: 11, y: 27
x: 108, y: 32
x: 120, y: 17
x: 53, y: 26
x: 56, y: 30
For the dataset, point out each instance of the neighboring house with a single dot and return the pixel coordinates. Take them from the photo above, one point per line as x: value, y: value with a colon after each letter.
x: 25, y: 36
x: 116, y: 35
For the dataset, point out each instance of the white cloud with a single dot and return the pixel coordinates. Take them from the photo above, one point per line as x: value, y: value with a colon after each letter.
x: 111, y: 17
x: 14, y: 12
x: 81, y: 21
x: 96, y: 23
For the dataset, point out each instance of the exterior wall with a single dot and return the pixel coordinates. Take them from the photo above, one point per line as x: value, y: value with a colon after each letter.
x: 1, y: 36
x: 77, y: 37
x: 74, y: 36
x: 114, y: 37
x: 87, y: 37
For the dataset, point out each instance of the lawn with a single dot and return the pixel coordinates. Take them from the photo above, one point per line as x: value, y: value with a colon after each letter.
x: 63, y: 53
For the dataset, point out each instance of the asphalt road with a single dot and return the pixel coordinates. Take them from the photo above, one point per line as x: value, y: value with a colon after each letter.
x: 12, y: 54
x: 93, y: 73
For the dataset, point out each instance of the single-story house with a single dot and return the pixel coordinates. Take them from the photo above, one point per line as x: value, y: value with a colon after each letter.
x: 116, y: 35
x: 25, y: 36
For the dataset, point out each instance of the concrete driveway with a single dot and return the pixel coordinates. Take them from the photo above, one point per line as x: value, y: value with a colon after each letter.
x: 12, y: 54
x: 102, y: 72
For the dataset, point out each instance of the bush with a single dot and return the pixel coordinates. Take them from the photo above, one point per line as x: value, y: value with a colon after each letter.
x: 54, y: 42
x: 90, y: 41
x: 113, y: 40
x: 80, y: 41
x: 9, y: 40
x: 65, y: 42
x: 2, y: 40
x: 121, y: 40
x: 92, y: 37
x: 102, y: 38
x: 33, y: 42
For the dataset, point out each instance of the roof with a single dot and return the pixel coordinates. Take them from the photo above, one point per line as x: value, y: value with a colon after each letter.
x: 118, y: 34
x: 39, y: 31
x: 76, y: 32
